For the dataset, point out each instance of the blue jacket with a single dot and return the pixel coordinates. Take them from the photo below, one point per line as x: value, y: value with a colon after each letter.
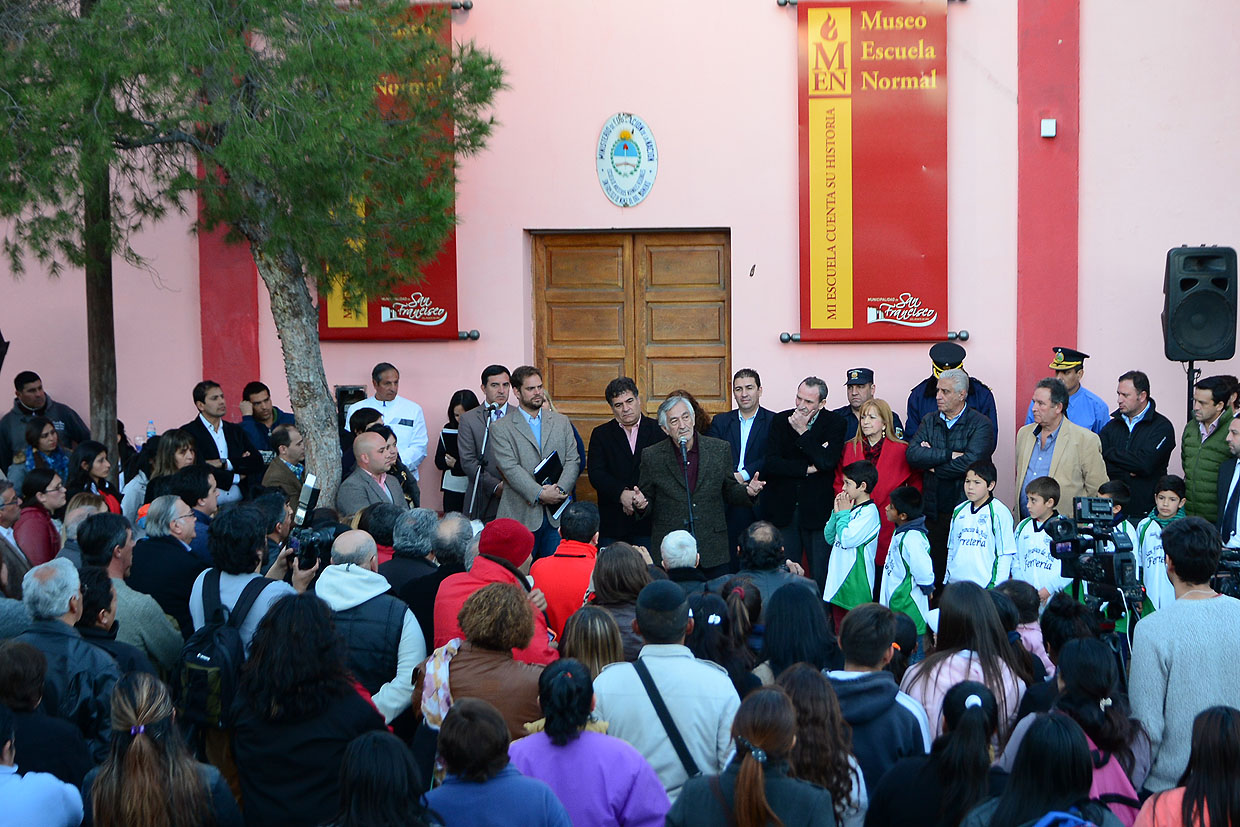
x: 259, y: 433
x: 885, y: 724
x: 509, y: 798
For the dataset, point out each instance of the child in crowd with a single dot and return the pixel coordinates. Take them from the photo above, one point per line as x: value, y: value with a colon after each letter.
x: 1033, y: 562
x: 908, y: 574
x: 853, y: 532
x: 1169, y: 496
x: 1025, y: 597
x: 1118, y: 493
x: 981, y: 542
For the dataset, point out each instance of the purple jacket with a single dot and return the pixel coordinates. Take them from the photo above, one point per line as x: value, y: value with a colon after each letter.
x: 599, y: 779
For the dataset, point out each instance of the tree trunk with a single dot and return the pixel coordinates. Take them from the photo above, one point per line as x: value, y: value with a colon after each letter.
x: 297, y: 322
x: 100, y: 329
x: 100, y: 326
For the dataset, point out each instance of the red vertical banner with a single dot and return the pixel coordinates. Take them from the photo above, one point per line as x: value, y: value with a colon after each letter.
x: 426, y: 310
x: 872, y: 106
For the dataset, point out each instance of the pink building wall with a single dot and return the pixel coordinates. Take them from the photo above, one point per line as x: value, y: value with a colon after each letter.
x: 716, y: 81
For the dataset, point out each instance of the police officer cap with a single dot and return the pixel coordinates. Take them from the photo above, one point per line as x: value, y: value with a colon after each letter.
x: 1068, y: 359
x: 860, y: 376
x: 947, y: 355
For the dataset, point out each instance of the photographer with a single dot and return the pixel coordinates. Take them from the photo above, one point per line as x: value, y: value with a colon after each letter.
x: 1183, y: 656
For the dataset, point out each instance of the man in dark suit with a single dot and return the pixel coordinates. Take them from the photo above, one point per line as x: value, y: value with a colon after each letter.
x: 614, y: 459
x: 804, y: 447
x: 746, y: 430
x: 287, y: 470
x: 370, y: 481
x: 235, y: 463
x: 473, y: 440
x: 1229, y: 490
x: 705, y: 464
x: 163, y: 566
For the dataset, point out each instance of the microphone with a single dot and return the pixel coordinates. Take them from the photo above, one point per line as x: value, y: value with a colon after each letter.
x: 684, y: 455
x: 492, y: 406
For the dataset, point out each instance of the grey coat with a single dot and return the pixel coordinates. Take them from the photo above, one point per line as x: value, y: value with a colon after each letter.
x: 359, y: 491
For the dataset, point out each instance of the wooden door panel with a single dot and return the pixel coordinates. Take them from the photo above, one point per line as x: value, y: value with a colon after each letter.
x: 653, y: 306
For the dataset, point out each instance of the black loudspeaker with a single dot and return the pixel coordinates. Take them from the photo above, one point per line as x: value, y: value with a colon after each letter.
x: 1199, y: 310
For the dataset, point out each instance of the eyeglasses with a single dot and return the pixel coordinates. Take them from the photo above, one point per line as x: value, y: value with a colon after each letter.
x: 60, y: 487
x: 190, y: 516
x: 14, y: 501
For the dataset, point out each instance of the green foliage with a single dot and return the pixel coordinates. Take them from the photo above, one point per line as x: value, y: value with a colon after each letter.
x: 266, y: 108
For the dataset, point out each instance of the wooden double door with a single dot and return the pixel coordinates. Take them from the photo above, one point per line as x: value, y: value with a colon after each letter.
x: 653, y: 305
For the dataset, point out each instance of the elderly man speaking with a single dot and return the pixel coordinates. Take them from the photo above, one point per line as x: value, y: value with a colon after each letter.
x: 705, y: 465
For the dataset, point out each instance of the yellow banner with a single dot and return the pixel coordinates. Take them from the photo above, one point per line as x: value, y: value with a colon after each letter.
x: 340, y: 316
x: 829, y: 55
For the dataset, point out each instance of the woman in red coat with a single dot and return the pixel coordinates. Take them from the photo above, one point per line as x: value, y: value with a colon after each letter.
x: 876, y: 442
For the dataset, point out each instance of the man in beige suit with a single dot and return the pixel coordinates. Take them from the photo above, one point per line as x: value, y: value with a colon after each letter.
x: 524, y: 440
x: 1054, y: 446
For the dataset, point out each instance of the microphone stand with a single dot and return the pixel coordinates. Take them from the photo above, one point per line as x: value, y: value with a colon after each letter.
x: 684, y: 458
x: 482, y: 460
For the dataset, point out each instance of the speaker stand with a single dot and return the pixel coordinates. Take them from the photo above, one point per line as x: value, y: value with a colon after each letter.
x: 1194, y: 373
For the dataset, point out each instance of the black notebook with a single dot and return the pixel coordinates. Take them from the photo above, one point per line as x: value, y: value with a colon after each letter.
x: 549, y: 470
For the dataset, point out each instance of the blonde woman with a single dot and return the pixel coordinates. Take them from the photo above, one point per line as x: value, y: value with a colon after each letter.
x: 877, y: 443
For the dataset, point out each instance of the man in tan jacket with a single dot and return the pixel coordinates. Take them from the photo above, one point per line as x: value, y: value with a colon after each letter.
x: 1054, y: 446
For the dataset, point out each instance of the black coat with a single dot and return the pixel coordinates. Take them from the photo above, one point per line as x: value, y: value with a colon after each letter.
x: 128, y: 658
x: 242, y: 455
x: 796, y: 803
x: 166, y: 570
x: 1138, y: 457
x: 419, y: 595
x: 1225, y: 473
x: 78, y: 684
x: 612, y: 468
x: 400, y: 570
x: 788, y: 456
x: 943, y: 482
x: 47, y: 744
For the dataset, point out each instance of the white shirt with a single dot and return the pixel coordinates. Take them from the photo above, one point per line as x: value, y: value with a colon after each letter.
x: 746, y: 427
x: 7, y: 533
x: 217, y: 436
x: 404, y: 417
x: 1153, y: 560
x: 38, y: 798
x: 1033, y: 562
x: 980, y: 544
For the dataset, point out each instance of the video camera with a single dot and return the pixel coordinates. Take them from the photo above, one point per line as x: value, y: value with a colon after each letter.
x: 1091, y: 551
x: 309, y: 544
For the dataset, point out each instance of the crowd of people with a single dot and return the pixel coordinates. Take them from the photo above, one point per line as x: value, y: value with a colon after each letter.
x: 816, y: 616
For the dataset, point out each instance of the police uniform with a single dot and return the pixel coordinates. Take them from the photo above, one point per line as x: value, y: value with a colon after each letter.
x: 921, y: 399
x: 863, y: 376
x: 1085, y: 408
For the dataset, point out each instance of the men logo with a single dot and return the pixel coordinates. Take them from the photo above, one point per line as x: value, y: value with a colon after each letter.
x: 627, y: 159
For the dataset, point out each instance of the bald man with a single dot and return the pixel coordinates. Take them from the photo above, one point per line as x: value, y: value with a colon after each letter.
x: 370, y: 483
x: 383, y: 638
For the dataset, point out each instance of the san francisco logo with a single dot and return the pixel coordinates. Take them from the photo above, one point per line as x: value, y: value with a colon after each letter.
x: 413, y: 309
x: 905, y: 311
x: 627, y: 159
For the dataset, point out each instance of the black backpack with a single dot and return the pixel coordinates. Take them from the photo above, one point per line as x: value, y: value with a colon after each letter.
x: 205, y: 678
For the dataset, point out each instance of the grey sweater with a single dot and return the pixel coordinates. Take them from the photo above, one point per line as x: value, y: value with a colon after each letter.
x: 1185, y: 659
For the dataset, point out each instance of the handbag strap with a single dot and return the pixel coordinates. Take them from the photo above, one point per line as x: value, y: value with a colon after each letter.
x: 665, y: 717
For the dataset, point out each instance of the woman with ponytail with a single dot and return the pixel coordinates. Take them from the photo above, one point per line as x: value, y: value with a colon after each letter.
x: 955, y: 776
x: 744, y: 600
x: 599, y: 779
x: 1090, y: 695
x: 1209, y: 791
x: 756, y: 788
x: 149, y: 778
x: 712, y: 638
